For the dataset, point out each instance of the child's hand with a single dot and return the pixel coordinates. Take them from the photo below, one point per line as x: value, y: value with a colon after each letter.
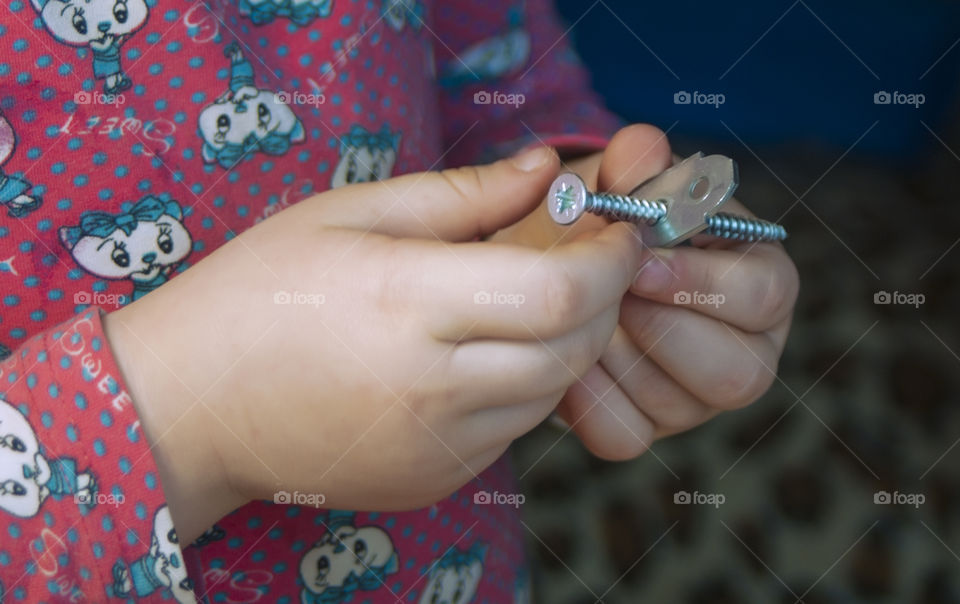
x: 671, y: 365
x: 362, y: 346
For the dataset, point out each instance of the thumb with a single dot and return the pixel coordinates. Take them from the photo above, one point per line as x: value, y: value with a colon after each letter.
x: 459, y: 204
x: 635, y: 154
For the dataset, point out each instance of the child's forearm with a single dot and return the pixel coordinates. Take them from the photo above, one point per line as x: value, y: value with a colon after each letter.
x: 173, y: 415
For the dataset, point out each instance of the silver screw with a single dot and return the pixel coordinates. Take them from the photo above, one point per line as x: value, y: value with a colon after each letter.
x: 569, y: 198
x: 731, y: 226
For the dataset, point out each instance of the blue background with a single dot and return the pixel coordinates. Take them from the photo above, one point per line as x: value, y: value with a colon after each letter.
x: 799, y: 82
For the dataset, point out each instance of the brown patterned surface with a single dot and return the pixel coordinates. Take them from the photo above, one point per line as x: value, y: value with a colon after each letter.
x: 878, y: 388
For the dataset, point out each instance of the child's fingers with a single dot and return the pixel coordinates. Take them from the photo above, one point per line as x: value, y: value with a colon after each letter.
x: 754, y: 291
x: 507, y: 423
x: 668, y: 404
x: 458, y: 204
x: 635, y: 154
x: 605, y: 418
x: 498, y: 291
x: 491, y: 372
x: 719, y: 364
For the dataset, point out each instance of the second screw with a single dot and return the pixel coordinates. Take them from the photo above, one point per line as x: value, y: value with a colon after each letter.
x: 569, y: 198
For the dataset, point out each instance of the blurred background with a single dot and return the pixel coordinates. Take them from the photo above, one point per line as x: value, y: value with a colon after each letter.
x: 843, y: 483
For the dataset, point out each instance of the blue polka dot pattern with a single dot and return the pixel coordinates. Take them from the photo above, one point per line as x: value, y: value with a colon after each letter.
x: 104, y: 141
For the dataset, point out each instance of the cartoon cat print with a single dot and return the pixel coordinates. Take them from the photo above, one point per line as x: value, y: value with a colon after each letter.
x: 15, y: 192
x: 455, y: 577
x: 160, y: 569
x: 366, y: 156
x: 28, y: 477
x: 494, y: 57
x: 143, y: 245
x: 347, y: 559
x: 301, y: 12
x: 246, y: 119
x: 100, y: 25
x: 400, y: 13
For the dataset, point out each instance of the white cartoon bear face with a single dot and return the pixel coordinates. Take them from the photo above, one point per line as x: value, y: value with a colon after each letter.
x: 79, y: 22
x: 230, y: 121
x: 364, y: 164
x: 494, y: 57
x: 453, y: 584
x: 118, y: 251
x: 396, y: 13
x: 23, y: 469
x: 366, y: 156
x: 349, y: 550
x: 169, y: 566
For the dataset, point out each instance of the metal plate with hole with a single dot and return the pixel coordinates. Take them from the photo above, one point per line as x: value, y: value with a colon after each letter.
x: 692, y: 190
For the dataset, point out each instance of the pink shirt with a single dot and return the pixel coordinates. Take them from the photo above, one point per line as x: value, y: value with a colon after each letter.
x: 138, y: 136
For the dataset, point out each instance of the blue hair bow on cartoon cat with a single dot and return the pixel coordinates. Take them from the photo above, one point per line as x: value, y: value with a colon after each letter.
x: 301, y: 13
x: 455, y: 558
x: 271, y: 144
x: 102, y: 224
x: 359, y: 137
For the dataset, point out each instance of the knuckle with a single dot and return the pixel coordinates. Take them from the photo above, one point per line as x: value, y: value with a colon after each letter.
x: 625, y: 448
x: 588, y: 345
x: 776, y: 298
x: 742, y: 385
x: 710, y: 283
x: 465, y: 182
x: 557, y: 368
x: 561, y: 298
x: 680, y: 418
x: 647, y: 321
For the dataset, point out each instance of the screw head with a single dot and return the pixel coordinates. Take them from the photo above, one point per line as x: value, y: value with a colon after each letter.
x: 567, y: 198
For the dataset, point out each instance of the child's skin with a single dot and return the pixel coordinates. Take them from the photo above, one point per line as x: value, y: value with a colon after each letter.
x: 669, y: 368
x: 303, y: 397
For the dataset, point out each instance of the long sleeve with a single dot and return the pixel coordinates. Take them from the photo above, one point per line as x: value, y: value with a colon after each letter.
x: 127, y: 159
x: 82, y: 514
x: 509, y: 78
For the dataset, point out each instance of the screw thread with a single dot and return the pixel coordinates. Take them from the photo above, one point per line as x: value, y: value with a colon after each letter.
x: 722, y: 224
x: 623, y: 207
x: 731, y: 226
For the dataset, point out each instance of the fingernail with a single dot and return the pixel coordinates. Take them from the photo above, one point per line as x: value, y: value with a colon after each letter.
x: 655, y: 275
x: 530, y: 160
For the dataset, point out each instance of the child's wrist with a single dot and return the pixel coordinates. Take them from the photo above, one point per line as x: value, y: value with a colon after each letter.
x: 177, y: 427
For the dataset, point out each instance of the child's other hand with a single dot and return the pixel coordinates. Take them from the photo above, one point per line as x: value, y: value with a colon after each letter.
x: 671, y: 365
x: 361, y: 345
